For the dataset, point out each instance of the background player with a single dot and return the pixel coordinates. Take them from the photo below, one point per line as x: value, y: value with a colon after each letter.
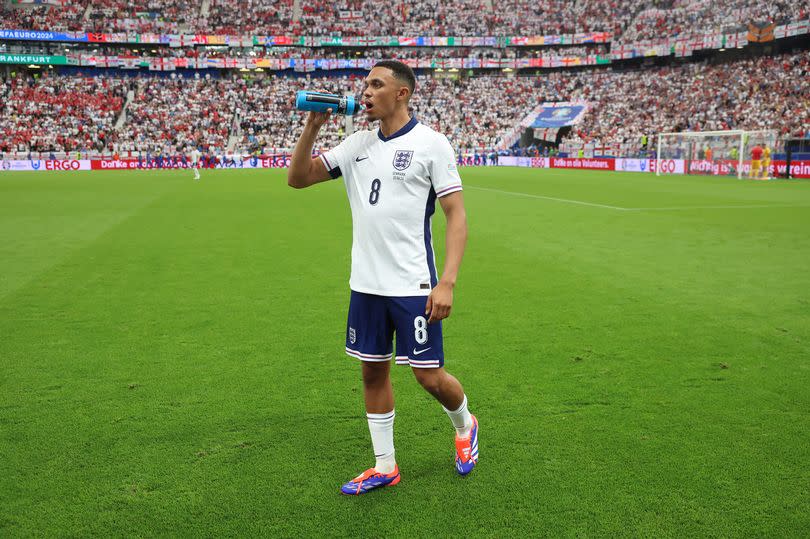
x: 195, y: 162
x: 766, y: 163
x: 756, y: 161
x: 393, y: 177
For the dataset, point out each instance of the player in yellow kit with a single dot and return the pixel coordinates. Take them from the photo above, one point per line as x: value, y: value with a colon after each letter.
x: 766, y: 163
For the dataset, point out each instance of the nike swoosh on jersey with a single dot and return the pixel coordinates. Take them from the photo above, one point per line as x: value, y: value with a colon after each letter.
x: 417, y: 352
x: 358, y: 159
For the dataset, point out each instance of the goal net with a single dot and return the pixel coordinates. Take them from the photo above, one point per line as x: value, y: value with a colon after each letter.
x: 716, y: 153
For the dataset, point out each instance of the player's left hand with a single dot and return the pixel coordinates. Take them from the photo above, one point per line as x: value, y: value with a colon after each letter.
x: 439, y: 302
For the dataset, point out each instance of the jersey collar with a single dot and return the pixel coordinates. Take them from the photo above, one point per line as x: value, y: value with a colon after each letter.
x: 402, y: 131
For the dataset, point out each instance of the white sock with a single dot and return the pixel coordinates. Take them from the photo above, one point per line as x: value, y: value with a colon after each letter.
x: 461, y: 418
x: 381, y: 427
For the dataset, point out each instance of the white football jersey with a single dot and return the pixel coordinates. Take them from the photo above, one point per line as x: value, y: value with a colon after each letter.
x: 392, y: 184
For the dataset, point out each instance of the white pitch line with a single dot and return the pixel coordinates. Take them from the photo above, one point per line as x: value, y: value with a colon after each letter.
x: 619, y: 208
x: 730, y: 207
x: 555, y: 199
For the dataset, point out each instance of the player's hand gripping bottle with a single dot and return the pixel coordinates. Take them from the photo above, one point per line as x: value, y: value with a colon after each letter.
x: 321, y: 102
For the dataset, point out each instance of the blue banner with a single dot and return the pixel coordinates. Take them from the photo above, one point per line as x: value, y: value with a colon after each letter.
x: 558, y: 115
x: 41, y: 35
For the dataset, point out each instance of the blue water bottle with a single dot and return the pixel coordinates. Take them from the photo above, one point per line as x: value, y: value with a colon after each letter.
x: 320, y: 102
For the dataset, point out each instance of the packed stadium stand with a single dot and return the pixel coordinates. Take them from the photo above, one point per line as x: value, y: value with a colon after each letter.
x: 180, y: 114
x: 675, y: 17
x: 228, y: 16
x: 68, y: 16
x: 141, y: 15
x: 763, y: 93
x: 59, y: 114
x: 650, y: 19
x: 131, y: 104
x: 421, y: 17
x: 475, y: 112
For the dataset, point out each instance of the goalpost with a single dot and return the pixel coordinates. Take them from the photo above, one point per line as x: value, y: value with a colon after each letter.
x: 716, y: 153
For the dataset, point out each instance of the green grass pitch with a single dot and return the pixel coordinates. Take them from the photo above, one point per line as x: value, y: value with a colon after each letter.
x: 171, y: 360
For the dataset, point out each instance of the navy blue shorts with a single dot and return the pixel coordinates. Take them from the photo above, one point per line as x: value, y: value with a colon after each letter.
x: 373, y: 320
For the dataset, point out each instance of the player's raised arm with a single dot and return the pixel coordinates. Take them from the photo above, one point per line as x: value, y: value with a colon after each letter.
x: 304, y: 169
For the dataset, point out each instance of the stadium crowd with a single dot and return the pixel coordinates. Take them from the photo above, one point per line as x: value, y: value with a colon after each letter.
x: 67, y: 17
x: 59, y: 114
x: 648, y: 19
x: 164, y: 51
x: 414, y: 17
x: 763, y: 93
x: 176, y: 114
x: 473, y: 113
x: 155, y: 16
x: 479, y: 112
x: 663, y: 18
x: 238, y: 17
x: 543, y: 17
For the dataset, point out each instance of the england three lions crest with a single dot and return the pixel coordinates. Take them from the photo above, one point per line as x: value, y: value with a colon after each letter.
x: 402, y: 159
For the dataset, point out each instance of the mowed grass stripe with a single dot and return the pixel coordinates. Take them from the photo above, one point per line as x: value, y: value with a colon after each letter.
x: 45, y: 217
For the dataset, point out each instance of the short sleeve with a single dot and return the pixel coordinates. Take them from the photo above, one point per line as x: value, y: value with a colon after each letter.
x: 334, y: 158
x: 444, y: 172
